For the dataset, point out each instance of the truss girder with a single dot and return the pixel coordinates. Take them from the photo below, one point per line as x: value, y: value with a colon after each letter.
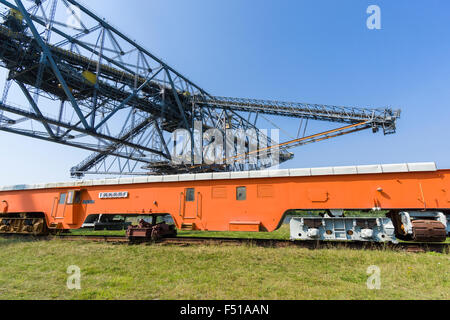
x: 75, y: 80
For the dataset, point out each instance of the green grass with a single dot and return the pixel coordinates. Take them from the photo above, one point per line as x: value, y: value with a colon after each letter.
x: 37, y: 270
x: 90, y: 232
x: 282, y: 234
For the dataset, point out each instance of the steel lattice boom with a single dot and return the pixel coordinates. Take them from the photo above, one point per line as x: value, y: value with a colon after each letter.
x: 379, y: 118
x: 74, y: 79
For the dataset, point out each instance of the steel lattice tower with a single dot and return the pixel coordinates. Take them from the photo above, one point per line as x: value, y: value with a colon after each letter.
x: 85, y: 84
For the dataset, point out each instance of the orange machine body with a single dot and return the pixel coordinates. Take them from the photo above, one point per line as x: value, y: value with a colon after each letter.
x: 238, y: 203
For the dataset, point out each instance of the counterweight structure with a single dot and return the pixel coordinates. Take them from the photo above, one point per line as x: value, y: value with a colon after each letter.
x: 76, y: 80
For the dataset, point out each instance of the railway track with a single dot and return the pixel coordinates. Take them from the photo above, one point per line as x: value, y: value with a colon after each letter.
x: 269, y: 243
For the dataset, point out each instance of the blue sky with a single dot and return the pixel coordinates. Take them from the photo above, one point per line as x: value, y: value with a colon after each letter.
x: 317, y: 51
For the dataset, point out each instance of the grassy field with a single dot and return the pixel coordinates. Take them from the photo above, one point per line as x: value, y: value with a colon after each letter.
x: 37, y: 270
x: 282, y: 234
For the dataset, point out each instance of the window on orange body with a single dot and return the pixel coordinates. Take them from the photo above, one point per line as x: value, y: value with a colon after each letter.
x: 241, y: 193
x: 62, y: 199
x: 190, y: 195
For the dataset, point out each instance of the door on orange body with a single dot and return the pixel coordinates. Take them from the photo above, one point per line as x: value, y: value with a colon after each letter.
x: 73, y: 207
x: 190, y: 204
x: 59, y: 211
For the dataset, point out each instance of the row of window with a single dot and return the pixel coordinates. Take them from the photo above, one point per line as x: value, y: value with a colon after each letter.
x: 241, y: 194
x: 72, y: 197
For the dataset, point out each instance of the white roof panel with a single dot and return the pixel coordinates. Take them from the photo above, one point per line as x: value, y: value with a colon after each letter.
x: 171, y: 178
x: 111, y: 182
x: 328, y: 171
x: 259, y: 174
x: 155, y: 179
x: 370, y: 169
x: 422, y: 167
x: 279, y: 173
x: 395, y: 168
x: 305, y: 172
x: 140, y: 179
x: 240, y: 175
x: 221, y: 175
x: 126, y: 181
x: 345, y: 170
x: 187, y: 177
x: 300, y: 172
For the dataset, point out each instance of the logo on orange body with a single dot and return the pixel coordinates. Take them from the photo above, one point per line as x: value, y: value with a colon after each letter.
x: 113, y: 195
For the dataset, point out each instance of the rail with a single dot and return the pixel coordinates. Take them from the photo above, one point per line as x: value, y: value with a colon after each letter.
x: 267, y: 243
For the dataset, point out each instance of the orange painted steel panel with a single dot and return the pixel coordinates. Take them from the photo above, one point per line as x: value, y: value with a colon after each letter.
x: 247, y: 226
x: 213, y: 204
